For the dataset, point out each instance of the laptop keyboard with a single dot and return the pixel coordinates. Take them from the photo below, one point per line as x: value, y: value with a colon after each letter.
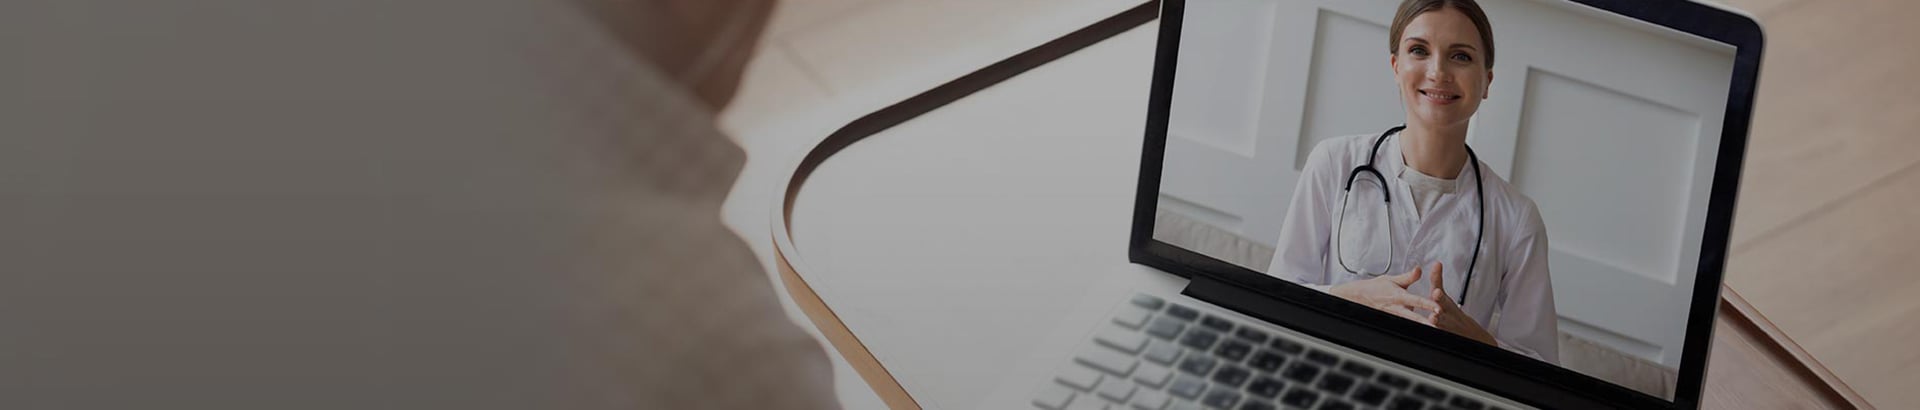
x: 1159, y: 355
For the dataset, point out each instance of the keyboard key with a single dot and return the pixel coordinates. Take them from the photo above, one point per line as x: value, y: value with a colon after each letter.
x: 1301, y: 372
x: 1131, y: 317
x: 1322, y: 357
x: 1256, y: 405
x: 1149, y: 400
x: 1147, y: 301
x: 1466, y: 403
x: 1335, y: 383
x: 1251, y: 335
x: 1087, y: 402
x: 1184, y: 405
x: 1286, y: 346
x: 1182, y: 312
x: 1233, y: 350
x: 1221, y: 397
x: 1267, y: 361
x: 1187, y: 387
x: 1107, y: 360
x: 1079, y: 377
x: 1124, y: 340
x: 1405, y: 402
x: 1165, y: 327
x: 1265, y: 387
x: 1162, y: 352
x: 1370, y: 395
x: 1393, y: 380
x: 1429, y: 392
x: 1335, y: 404
x: 1357, y: 369
x: 1198, y: 365
x: 1053, y: 397
x: 1153, y: 376
x: 1300, y: 397
x: 1231, y: 376
x: 1216, y: 323
x: 1116, y: 389
x: 1199, y: 339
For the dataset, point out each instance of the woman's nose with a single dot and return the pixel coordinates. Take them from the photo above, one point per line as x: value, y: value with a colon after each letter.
x: 1434, y: 73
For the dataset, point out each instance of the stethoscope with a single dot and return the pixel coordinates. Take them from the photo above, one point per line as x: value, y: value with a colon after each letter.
x: 1368, y: 168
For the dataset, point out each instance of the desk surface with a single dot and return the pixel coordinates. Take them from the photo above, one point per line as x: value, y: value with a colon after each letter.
x: 931, y: 250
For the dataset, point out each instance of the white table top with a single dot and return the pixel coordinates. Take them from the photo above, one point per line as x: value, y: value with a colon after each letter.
x: 951, y: 243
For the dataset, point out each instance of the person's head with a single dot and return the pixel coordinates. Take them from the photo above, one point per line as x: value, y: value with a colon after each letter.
x: 1442, y: 56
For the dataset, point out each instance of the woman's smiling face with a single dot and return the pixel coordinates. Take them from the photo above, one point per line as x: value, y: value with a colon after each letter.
x: 1438, y: 64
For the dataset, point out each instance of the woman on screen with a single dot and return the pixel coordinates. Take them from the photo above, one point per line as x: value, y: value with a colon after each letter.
x: 1409, y: 221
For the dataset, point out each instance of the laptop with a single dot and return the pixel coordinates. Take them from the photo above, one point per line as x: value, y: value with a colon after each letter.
x: 1616, y: 128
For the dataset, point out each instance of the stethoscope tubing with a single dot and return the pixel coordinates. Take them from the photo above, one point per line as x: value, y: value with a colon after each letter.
x: 1386, y: 195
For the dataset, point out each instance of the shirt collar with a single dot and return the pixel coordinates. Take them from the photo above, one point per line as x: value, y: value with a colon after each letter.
x: 1396, y: 164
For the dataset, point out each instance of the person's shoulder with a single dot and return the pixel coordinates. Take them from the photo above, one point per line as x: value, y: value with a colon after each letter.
x: 1345, y: 143
x: 1343, y: 151
x: 1503, y: 198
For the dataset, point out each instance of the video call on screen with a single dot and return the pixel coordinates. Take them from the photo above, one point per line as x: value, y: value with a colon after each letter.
x: 1594, y: 137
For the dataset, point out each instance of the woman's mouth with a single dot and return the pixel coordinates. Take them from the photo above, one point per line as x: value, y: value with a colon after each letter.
x: 1439, y: 97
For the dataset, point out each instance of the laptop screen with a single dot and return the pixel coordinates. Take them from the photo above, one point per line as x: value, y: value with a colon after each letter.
x: 1547, y: 165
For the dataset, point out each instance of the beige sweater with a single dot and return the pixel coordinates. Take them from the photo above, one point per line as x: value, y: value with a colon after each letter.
x: 458, y: 204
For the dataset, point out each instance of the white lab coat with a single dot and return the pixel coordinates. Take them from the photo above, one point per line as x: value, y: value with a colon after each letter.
x: 1511, y: 281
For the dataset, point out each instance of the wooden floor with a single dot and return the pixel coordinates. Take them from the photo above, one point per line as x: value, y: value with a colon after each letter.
x: 1829, y: 218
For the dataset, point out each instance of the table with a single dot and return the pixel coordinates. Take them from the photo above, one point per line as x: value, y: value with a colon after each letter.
x: 972, y: 216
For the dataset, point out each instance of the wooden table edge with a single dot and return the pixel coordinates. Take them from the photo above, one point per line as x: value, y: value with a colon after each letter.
x: 1745, y: 315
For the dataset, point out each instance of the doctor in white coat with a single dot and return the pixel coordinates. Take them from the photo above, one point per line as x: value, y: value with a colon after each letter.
x: 1410, y: 221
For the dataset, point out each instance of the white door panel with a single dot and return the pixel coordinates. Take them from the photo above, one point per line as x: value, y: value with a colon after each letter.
x: 1242, y: 111
x: 1345, y: 88
x: 1215, y: 118
x: 1613, y: 135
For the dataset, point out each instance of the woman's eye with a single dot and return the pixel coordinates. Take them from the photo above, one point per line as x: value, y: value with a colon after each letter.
x: 1463, y: 57
x: 1417, y: 51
